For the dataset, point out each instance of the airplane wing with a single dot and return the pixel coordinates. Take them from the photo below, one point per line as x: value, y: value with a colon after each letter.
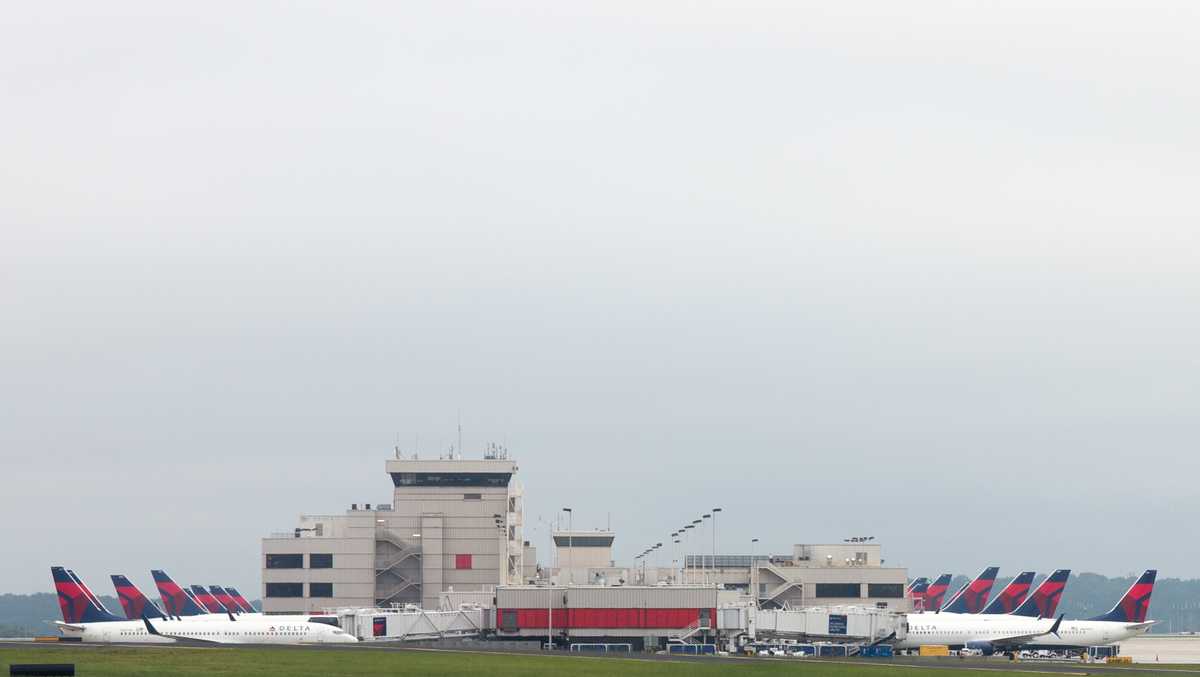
x: 1139, y: 626
x: 1018, y: 640
x: 178, y: 638
x: 72, y: 626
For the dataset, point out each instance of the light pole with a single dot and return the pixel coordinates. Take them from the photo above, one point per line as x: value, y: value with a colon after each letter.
x: 570, y: 544
x: 674, y: 551
x: 754, y: 569
x: 714, y: 555
x: 677, y: 550
x: 693, y: 567
x: 503, y: 547
x: 702, y: 565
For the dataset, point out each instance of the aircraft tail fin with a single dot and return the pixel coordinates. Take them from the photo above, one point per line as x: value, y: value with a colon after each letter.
x: 1012, y: 595
x: 207, y: 600
x: 242, y: 602
x: 76, y: 600
x: 916, y: 592
x: 225, y: 599
x: 175, y: 599
x: 972, y: 597
x: 133, y: 602
x: 1135, y: 604
x: 1044, y: 600
x: 937, y: 592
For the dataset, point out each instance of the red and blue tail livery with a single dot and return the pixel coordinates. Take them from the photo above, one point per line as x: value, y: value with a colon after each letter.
x: 175, y: 599
x: 1008, y: 599
x: 973, y: 596
x: 76, y: 601
x: 1044, y: 600
x: 205, y: 597
x: 136, y: 605
x: 936, y: 592
x: 1135, y: 605
x: 225, y: 598
x: 242, y: 602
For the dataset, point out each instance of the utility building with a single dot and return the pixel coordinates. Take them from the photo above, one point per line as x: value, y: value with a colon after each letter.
x: 454, y: 524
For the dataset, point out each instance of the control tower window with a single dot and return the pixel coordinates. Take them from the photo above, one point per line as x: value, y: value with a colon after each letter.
x: 285, y: 561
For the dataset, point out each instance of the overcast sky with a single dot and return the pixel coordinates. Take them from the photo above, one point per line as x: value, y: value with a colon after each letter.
x: 922, y: 271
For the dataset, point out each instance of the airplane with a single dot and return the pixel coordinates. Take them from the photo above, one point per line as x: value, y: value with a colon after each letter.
x: 225, y: 598
x: 263, y: 630
x: 921, y: 582
x: 1041, y: 604
x: 175, y: 600
x: 989, y: 633
x: 85, y: 618
x: 916, y: 592
x: 135, y: 604
x: 242, y: 601
x: 76, y: 601
x: 1045, y: 598
x: 1126, y: 619
x: 932, y: 601
x: 207, y: 600
x: 1013, y: 594
x: 971, y: 598
x: 182, y: 605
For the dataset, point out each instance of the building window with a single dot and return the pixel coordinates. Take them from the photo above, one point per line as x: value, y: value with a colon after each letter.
x: 289, y: 561
x: 285, y: 589
x: 462, y: 561
x: 838, y: 589
x: 320, y: 560
x: 895, y: 590
x: 320, y: 589
x: 450, y: 479
x: 472, y: 497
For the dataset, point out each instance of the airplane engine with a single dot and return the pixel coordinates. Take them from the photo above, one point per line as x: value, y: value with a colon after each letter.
x: 985, y: 647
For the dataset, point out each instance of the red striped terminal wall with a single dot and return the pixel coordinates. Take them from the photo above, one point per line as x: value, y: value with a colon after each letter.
x: 608, y: 619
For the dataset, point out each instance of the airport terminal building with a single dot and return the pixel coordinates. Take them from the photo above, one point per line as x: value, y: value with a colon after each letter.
x: 453, y: 524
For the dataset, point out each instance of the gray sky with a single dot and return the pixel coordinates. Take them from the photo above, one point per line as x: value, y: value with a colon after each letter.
x: 927, y: 272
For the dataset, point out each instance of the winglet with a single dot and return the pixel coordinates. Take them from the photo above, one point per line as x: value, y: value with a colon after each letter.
x: 230, y: 615
x: 1054, y: 628
x: 149, y: 626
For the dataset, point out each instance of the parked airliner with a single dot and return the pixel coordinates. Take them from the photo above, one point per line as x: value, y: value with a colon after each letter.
x: 1000, y: 632
x: 86, y: 619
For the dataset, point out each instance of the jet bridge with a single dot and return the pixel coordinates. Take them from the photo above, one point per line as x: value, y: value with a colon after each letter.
x: 831, y: 624
x: 410, y: 623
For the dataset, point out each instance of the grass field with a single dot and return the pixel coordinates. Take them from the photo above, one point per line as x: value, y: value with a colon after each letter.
x: 186, y: 662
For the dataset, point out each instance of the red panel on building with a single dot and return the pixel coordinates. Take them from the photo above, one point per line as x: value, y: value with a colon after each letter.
x: 614, y: 618
x: 462, y: 561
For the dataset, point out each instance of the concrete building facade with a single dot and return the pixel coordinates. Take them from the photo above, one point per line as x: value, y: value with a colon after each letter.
x: 454, y: 524
x: 816, y: 574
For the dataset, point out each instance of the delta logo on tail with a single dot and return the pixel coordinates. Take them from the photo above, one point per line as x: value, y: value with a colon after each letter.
x: 225, y: 598
x: 936, y: 592
x: 1044, y: 600
x: 135, y: 604
x: 1012, y: 595
x: 237, y: 597
x: 918, y: 586
x: 916, y: 592
x: 77, y: 602
x: 205, y: 598
x: 973, y: 596
x: 1135, y: 605
x: 175, y: 599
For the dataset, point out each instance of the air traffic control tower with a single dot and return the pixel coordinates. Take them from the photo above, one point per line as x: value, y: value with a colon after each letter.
x: 453, y: 524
